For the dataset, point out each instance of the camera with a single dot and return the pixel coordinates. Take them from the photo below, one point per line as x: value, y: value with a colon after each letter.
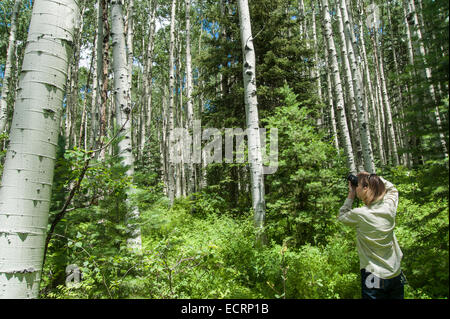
x: 353, y: 179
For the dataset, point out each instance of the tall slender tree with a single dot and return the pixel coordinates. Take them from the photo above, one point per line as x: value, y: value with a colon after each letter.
x: 123, y: 114
x: 103, y: 79
x: 331, y: 104
x: 366, y: 144
x: 171, y: 110
x: 8, y: 65
x: 189, y: 84
x: 336, y: 79
x: 251, y: 112
x: 28, y: 172
x: 350, y: 92
x: 369, y: 89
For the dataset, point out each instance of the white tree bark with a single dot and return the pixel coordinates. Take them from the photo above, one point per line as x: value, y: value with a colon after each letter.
x: 369, y: 88
x: 28, y: 172
x: 336, y: 78
x: 83, y: 124
x: 73, y: 90
x: 148, y: 75
x: 171, y: 110
x: 355, y: 125
x: 366, y: 144
x: 386, y: 100
x: 180, y: 181
x: 94, y: 106
x: 8, y: 65
x: 97, y: 78
x: 301, y: 17
x: 163, y: 144
x: 123, y: 114
x: 130, y: 15
x: 251, y: 110
x: 331, y: 105
x: 189, y: 104
x: 103, y: 87
x: 316, y: 71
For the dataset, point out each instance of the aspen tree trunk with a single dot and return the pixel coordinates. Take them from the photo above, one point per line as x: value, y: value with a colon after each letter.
x: 351, y: 92
x: 143, y: 112
x: 369, y: 164
x: 8, y: 65
x: 28, y: 172
x: 331, y: 104
x: 408, y: 35
x: 150, y: 63
x: 380, y: 110
x: 391, y: 134
x: 189, y: 104
x: 369, y: 90
x: 400, y: 127
x: 180, y: 181
x: 171, y: 164
x: 315, y: 70
x: 73, y: 92
x: 251, y: 110
x: 137, y: 126
x: 336, y: 77
x: 379, y: 103
x: 143, y: 103
x: 301, y: 16
x: 201, y: 177
x: 84, y: 110
x: 386, y: 100
x: 15, y: 71
x: 148, y: 75
x: 394, y: 55
x: 94, y: 108
x: 352, y: 35
x: 97, y: 81
x: 103, y: 98
x: 129, y: 28
x: 384, y: 96
x: 204, y: 179
x: 410, y: 50
x: 123, y: 114
x: 428, y: 76
x: 316, y: 73
x: 163, y: 144
x: 129, y: 47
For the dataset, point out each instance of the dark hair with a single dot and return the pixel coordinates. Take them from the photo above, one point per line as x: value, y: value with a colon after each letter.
x: 376, y: 187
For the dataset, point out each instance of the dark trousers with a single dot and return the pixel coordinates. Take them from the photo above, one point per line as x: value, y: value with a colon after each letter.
x: 374, y: 287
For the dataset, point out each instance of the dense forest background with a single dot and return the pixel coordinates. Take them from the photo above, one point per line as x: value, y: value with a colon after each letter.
x: 350, y: 85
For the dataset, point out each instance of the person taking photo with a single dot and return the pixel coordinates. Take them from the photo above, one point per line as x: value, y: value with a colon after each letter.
x: 378, y: 249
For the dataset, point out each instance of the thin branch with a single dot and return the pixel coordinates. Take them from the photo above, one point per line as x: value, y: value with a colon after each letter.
x: 63, y: 211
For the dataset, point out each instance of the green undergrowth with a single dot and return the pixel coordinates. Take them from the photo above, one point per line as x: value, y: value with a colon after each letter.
x: 195, y: 249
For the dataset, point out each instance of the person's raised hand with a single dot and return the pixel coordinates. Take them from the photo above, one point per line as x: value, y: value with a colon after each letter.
x: 351, y: 191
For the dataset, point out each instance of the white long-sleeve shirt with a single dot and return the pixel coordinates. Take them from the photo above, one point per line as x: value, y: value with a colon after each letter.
x: 378, y: 249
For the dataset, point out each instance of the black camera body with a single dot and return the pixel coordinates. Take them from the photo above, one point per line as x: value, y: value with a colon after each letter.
x: 353, y: 179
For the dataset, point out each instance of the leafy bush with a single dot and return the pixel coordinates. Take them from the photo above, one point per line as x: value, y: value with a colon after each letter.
x: 422, y: 230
